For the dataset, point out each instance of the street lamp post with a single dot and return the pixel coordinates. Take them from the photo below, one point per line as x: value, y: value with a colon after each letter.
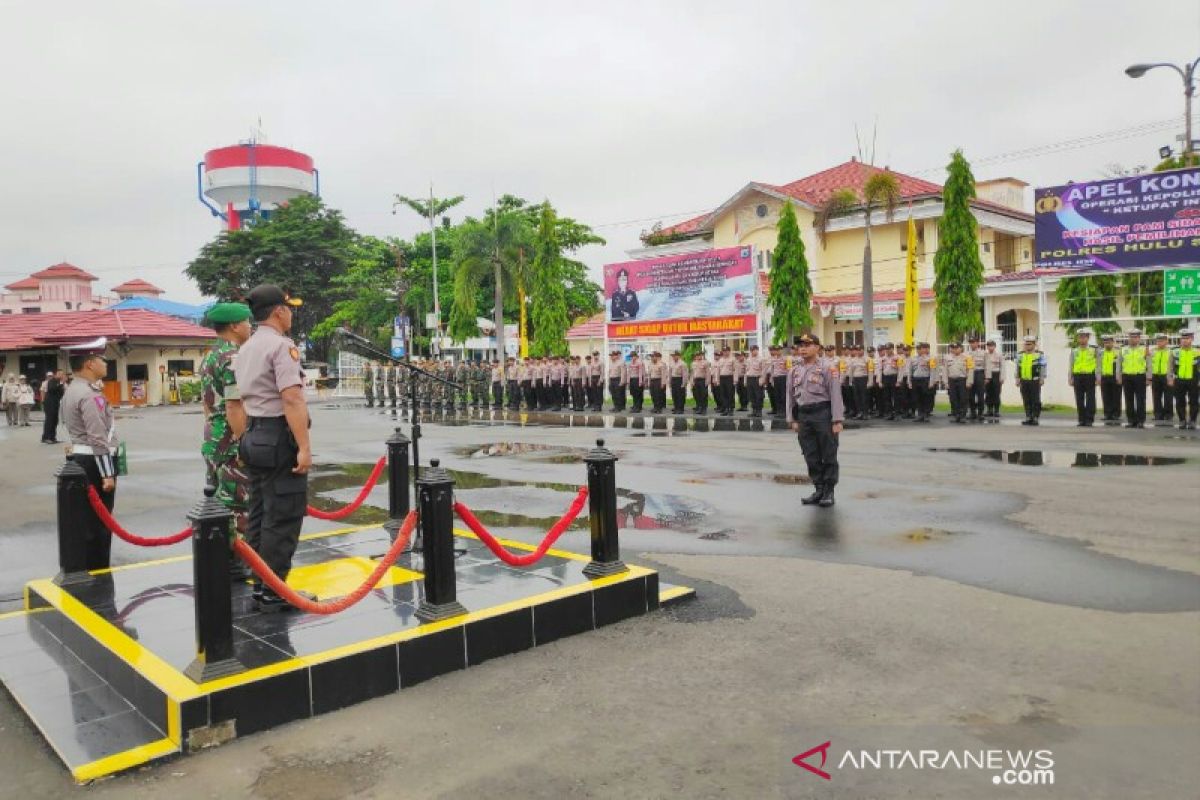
x: 1188, y: 73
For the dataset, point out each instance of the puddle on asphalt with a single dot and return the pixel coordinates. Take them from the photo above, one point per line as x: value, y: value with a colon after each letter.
x: 545, y: 453
x: 1064, y: 458
x: 637, y: 511
x: 647, y: 425
x: 330, y: 477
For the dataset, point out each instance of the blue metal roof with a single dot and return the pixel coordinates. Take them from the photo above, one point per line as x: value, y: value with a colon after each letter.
x: 169, y: 307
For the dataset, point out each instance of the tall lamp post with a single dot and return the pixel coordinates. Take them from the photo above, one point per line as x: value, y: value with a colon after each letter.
x: 1188, y: 73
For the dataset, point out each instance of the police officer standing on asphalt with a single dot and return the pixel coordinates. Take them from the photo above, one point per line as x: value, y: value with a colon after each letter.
x: 1085, y: 369
x: 1031, y: 375
x: 275, y: 448
x: 1134, y: 369
x: 92, y: 430
x: 816, y: 413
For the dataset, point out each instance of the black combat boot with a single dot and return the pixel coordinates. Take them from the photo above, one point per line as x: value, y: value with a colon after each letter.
x: 815, y: 497
x: 826, y: 497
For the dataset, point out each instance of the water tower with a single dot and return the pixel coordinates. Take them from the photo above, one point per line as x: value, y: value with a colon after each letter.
x: 249, y: 180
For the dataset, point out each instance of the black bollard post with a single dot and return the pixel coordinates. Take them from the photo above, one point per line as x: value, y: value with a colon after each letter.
x: 211, y: 552
x: 75, y: 518
x: 602, y: 511
x: 435, y: 498
x: 397, y: 463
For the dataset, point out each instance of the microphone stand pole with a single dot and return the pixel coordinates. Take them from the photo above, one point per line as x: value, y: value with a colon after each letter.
x: 365, y: 345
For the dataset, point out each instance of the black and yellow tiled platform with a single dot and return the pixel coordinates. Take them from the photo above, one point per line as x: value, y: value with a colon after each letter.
x: 98, y: 666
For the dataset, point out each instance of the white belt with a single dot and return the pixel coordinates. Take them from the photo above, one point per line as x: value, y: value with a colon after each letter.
x: 82, y: 450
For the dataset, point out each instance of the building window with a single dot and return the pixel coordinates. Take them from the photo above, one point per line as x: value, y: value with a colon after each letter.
x: 848, y: 338
x: 31, y: 310
x: 184, y: 367
x: 761, y: 210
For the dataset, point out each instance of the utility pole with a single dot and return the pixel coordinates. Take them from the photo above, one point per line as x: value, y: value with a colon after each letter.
x: 437, y: 306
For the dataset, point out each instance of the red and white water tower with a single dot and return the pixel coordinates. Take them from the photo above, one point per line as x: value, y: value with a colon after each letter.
x: 249, y: 180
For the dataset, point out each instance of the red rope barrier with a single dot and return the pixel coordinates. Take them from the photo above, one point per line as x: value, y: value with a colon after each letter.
x: 525, y: 560
x: 132, y: 538
x: 347, y: 510
x: 331, y: 606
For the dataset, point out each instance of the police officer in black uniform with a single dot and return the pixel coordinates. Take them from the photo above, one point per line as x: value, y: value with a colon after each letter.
x: 624, y: 300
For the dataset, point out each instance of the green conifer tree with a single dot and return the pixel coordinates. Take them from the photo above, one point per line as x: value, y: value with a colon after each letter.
x: 547, y: 293
x: 957, y: 267
x: 790, y: 296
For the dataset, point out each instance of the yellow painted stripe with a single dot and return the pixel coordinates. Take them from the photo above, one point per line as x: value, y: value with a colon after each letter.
x: 179, y: 688
x: 118, y: 762
x: 174, y: 732
x: 146, y: 663
x: 523, y: 546
x: 675, y: 593
x: 19, y: 613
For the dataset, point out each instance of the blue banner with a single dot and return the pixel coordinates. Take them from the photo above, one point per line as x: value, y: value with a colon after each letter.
x: 1137, y: 222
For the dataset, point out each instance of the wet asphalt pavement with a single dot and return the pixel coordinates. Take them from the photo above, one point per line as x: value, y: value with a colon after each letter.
x: 942, y: 500
x: 976, y: 585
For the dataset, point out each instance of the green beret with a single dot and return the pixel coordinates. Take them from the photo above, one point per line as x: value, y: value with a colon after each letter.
x: 227, y: 313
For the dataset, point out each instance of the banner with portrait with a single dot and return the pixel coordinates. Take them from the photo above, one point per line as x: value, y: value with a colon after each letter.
x: 706, y: 293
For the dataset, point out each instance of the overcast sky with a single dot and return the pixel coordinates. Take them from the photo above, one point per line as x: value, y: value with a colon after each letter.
x: 618, y: 112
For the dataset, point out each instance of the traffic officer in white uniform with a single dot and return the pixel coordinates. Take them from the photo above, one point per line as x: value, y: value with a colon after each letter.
x: 93, y: 433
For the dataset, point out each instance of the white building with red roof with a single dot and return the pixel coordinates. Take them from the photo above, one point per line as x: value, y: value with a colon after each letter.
x: 62, y: 287
x: 148, y: 353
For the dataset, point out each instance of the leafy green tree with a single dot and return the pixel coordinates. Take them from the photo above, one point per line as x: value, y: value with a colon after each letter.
x: 368, y: 292
x: 548, y: 296
x: 497, y: 249
x: 790, y: 295
x: 304, y: 247
x: 957, y: 267
x: 1145, y: 293
x: 1088, y: 297
x: 583, y: 294
x: 1179, y: 162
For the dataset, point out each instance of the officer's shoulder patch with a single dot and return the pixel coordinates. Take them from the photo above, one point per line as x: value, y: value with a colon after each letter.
x: 294, y: 353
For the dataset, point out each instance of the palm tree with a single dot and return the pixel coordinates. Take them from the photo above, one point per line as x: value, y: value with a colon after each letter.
x: 880, y: 191
x: 498, y: 243
x: 431, y: 209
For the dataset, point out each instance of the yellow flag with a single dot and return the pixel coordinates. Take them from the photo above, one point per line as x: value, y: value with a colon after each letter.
x: 523, y: 334
x: 912, y: 295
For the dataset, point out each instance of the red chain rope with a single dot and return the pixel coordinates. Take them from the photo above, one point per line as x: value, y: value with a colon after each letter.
x: 132, y: 538
x: 525, y: 560
x: 332, y: 606
x: 347, y: 510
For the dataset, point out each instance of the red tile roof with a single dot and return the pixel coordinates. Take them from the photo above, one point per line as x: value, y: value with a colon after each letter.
x: 24, y: 283
x: 592, y: 328
x: 64, y: 270
x: 53, y: 329
x: 687, y: 226
x: 137, y: 285
x: 815, y: 189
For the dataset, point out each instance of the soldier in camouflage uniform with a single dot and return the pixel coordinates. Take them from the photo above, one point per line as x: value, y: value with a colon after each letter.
x: 224, y: 418
x: 391, y: 383
x: 462, y: 376
x: 369, y: 383
x: 380, y: 383
x: 403, y: 376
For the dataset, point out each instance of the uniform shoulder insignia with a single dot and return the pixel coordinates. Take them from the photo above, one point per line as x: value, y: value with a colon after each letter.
x: 294, y: 353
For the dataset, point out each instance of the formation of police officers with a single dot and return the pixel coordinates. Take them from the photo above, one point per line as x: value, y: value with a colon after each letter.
x: 891, y: 382
x: 895, y: 382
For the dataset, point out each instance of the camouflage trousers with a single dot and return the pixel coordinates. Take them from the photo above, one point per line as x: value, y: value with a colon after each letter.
x: 233, y: 488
